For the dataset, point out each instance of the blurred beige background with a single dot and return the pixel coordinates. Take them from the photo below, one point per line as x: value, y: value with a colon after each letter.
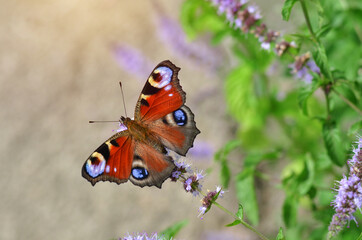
x: 57, y: 72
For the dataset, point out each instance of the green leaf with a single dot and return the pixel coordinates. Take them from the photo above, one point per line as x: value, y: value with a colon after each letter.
x: 221, y: 156
x: 226, y: 149
x: 280, y: 235
x: 306, y: 178
x: 245, y: 192
x: 347, y: 92
x: 333, y: 142
x: 304, y: 93
x: 220, y: 35
x: 236, y: 222
x: 290, y: 211
x: 360, y: 237
x: 320, y: 57
x: 171, y: 231
x: 287, y: 9
x: 198, y: 16
x: 225, y: 174
x: 355, y: 128
x: 323, y: 30
x: 240, y: 212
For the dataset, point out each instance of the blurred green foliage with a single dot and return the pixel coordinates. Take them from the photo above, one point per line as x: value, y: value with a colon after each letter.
x: 316, y: 122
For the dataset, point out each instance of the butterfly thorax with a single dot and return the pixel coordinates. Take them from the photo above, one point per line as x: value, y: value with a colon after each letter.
x: 139, y: 131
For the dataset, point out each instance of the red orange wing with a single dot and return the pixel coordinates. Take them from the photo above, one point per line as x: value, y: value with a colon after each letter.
x: 161, y: 107
x: 161, y: 94
x: 112, y: 161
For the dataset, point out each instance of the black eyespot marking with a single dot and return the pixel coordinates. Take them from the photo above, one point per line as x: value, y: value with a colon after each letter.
x: 164, y: 151
x: 156, y: 77
x: 149, y: 89
x: 139, y: 173
x: 144, y: 102
x: 180, y: 117
x: 137, y: 157
x: 104, y: 150
x: 165, y: 121
x: 114, y: 143
x: 94, y: 160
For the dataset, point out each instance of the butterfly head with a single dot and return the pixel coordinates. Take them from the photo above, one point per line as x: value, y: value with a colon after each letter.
x: 125, y: 120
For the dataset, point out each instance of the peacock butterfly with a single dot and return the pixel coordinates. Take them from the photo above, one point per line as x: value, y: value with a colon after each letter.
x: 161, y: 122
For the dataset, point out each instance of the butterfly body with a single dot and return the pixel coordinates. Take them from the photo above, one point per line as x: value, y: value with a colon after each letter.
x: 162, y: 122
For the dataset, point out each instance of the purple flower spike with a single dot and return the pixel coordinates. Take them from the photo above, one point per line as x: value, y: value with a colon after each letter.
x: 202, y: 150
x: 247, y: 18
x: 143, y: 236
x: 349, y: 194
x: 180, y: 170
x: 172, y: 35
x: 192, y: 183
x: 210, y: 199
x: 132, y: 61
x: 303, y: 67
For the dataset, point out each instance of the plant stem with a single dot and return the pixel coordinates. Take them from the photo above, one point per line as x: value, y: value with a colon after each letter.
x: 242, y: 222
x: 307, y: 20
x: 327, y: 103
x: 348, y: 102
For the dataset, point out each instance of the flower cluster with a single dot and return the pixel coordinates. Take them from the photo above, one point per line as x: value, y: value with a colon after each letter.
x: 209, y: 199
x: 246, y: 17
x: 172, y: 35
x: 143, y: 236
x: 191, y: 183
x: 303, y: 67
x: 191, y: 180
x: 242, y: 15
x: 349, y: 193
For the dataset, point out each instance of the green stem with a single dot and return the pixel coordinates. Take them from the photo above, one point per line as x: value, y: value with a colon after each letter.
x: 242, y: 221
x: 327, y: 103
x: 348, y: 102
x: 307, y: 20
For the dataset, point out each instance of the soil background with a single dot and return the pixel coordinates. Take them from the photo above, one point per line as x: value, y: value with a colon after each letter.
x: 57, y: 72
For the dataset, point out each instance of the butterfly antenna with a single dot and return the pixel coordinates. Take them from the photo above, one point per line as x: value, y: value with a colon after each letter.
x: 101, y: 121
x: 124, y: 104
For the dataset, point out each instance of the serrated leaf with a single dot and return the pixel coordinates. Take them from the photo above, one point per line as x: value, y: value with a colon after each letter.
x: 320, y: 57
x: 290, y: 211
x: 280, y: 235
x: 245, y: 192
x: 304, y: 93
x: 323, y: 30
x: 171, y: 231
x: 236, y: 222
x: 287, y: 9
x: 347, y: 92
x: 333, y: 142
x: 240, y: 212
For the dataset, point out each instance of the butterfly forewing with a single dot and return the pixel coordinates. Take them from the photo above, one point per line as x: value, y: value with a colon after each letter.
x: 112, y: 161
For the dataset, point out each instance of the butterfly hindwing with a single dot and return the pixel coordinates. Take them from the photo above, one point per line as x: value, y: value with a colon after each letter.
x: 150, y: 166
x: 161, y: 107
x: 177, y: 130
